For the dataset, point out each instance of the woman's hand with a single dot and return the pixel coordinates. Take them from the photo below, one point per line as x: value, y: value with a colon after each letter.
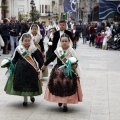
x: 74, y: 66
x: 43, y: 67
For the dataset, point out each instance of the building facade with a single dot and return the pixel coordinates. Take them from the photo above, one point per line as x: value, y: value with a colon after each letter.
x: 49, y: 9
x: 8, y: 8
x: 87, y: 7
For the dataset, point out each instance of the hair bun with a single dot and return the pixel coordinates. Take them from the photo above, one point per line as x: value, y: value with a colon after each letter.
x: 64, y: 35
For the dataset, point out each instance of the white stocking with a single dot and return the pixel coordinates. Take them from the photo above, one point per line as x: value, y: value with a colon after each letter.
x: 65, y: 104
x: 31, y: 97
x: 25, y: 98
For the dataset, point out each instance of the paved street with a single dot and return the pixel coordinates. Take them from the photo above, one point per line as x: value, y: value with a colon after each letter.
x: 100, y: 80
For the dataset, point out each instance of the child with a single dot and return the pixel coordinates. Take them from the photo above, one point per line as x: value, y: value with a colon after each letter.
x: 24, y: 79
x: 35, y: 32
x: 106, y: 38
x: 50, y: 43
x: 52, y: 34
x: 64, y: 82
x: 99, y: 38
x: 49, y: 51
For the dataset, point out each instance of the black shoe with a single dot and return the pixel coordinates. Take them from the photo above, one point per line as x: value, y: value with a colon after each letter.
x: 32, y: 99
x: 65, y: 109
x: 24, y: 103
x: 59, y: 104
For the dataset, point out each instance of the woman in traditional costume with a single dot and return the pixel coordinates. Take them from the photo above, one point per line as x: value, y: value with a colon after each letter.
x: 24, y: 79
x: 64, y: 82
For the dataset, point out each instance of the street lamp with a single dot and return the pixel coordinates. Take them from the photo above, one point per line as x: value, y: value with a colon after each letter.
x: 32, y: 3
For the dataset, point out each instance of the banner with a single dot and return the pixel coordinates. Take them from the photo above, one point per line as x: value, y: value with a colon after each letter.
x: 70, y: 7
x: 108, y: 9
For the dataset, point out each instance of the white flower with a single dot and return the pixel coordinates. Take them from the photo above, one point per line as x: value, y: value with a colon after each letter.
x: 49, y: 43
x: 4, y: 62
x: 73, y: 60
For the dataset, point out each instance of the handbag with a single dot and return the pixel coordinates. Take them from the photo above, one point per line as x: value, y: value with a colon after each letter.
x: 1, y: 42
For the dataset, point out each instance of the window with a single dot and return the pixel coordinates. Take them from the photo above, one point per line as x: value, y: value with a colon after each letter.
x: 46, y: 8
x: 21, y: 8
x: 42, y: 8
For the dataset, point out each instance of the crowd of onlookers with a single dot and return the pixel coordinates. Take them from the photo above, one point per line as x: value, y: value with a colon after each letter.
x: 11, y: 30
x: 99, y: 34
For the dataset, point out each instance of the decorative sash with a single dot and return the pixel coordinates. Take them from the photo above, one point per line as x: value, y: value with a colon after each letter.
x: 36, y: 42
x: 29, y: 59
x: 60, y: 54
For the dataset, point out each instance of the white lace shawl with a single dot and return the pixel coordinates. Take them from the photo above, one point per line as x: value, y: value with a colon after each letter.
x: 38, y: 37
x: 70, y: 52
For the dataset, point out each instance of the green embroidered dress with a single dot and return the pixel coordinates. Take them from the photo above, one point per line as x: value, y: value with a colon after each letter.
x: 24, y: 80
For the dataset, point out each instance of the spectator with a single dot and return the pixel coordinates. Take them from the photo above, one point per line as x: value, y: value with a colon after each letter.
x: 24, y: 28
x: 15, y: 29
x: 99, y: 40
x: 75, y: 34
x: 92, y: 34
x: 5, y: 34
x: 84, y: 33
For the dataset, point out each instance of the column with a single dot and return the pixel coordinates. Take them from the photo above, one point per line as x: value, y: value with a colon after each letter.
x: 0, y: 10
x: 15, y: 8
x: 10, y: 8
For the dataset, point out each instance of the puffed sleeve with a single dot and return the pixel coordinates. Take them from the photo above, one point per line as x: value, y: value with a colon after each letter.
x: 42, y: 45
x: 49, y: 60
x: 15, y: 57
x: 38, y: 57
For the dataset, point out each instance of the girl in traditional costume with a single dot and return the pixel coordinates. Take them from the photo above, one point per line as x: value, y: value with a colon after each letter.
x: 64, y: 82
x: 49, y: 51
x: 50, y: 43
x: 35, y: 32
x: 52, y: 34
x: 24, y: 79
x: 38, y: 41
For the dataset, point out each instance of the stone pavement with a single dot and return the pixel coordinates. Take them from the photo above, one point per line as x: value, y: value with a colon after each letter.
x: 100, y: 80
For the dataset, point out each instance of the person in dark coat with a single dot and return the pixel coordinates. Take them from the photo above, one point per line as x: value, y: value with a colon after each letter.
x: 15, y: 29
x: 92, y: 34
x: 5, y: 34
x: 75, y: 34
x: 84, y: 33
x: 57, y: 35
x: 116, y: 29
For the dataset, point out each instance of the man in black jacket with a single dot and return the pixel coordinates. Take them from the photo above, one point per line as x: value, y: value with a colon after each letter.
x: 57, y: 35
x: 5, y: 34
x: 15, y: 29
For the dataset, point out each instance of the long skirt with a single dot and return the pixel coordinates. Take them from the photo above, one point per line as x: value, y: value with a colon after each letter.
x: 10, y: 90
x: 62, y: 89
